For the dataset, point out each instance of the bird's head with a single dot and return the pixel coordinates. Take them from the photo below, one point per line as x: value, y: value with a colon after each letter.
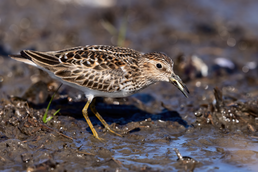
x: 159, y: 67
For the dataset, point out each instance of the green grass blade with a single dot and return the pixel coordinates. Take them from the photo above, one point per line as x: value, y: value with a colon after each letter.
x: 45, y: 119
x: 122, y: 32
x: 49, y: 118
x: 109, y: 27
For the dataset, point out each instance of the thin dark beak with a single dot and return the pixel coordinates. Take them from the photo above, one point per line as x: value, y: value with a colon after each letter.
x: 176, y: 81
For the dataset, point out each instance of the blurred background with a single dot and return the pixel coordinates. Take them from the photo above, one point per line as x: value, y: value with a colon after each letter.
x: 146, y: 25
x: 212, y: 42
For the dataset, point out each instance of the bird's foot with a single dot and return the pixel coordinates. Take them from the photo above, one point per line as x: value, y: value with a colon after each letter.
x: 108, y: 128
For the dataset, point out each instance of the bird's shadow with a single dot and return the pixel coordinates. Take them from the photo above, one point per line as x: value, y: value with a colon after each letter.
x: 120, y: 114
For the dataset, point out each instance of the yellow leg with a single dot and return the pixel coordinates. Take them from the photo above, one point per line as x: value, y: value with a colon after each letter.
x: 85, y: 114
x: 93, y: 109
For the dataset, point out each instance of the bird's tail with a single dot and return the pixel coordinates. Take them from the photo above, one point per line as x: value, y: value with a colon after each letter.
x: 23, y: 57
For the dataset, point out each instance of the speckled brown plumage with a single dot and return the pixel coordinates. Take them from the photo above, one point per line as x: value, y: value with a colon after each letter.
x: 94, y: 67
x: 105, y: 71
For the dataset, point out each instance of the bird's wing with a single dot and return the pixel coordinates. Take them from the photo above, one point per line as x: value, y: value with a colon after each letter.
x: 95, y: 67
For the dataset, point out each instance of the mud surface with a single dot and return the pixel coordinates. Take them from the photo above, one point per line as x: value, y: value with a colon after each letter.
x: 215, y: 49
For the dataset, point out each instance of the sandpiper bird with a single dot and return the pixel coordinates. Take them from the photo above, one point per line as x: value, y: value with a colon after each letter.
x: 104, y: 71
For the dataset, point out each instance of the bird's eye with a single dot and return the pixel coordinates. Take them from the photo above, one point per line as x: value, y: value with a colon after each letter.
x: 159, y: 65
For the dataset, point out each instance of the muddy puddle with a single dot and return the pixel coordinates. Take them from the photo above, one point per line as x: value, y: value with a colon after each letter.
x: 215, y: 49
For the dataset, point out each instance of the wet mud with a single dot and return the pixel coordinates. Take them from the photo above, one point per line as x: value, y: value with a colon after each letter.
x: 214, y: 47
